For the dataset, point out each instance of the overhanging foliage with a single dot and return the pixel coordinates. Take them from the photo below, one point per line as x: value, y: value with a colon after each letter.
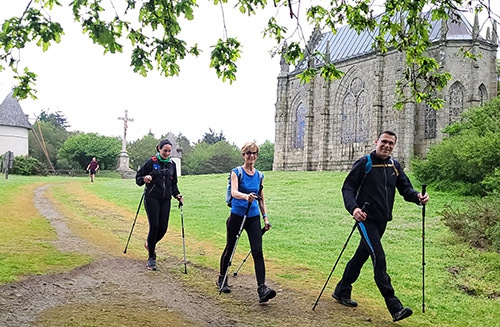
x: 152, y: 27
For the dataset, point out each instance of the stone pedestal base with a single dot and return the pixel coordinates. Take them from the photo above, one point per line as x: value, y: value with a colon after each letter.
x: 123, y: 166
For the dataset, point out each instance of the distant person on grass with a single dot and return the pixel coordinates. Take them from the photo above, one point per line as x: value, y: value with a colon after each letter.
x: 376, y: 188
x: 244, y: 190
x: 159, y: 173
x: 92, y: 167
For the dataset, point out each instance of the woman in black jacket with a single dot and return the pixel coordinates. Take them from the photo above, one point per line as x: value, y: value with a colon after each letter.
x: 159, y: 173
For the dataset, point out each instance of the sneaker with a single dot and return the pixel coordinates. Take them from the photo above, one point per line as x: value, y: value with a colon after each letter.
x: 402, y: 314
x: 347, y: 302
x: 151, y: 264
x: 265, y: 293
x: 225, y: 288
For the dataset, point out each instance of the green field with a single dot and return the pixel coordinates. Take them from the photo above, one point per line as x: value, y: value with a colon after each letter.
x: 310, y: 227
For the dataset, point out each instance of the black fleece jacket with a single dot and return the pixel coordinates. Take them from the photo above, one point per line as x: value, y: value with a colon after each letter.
x: 377, y: 187
x: 164, y: 182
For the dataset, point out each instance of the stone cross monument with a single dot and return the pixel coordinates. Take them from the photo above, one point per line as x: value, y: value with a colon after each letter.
x: 123, y: 159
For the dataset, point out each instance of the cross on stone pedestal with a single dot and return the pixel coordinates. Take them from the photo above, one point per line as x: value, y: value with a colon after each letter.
x: 125, y: 119
x: 123, y: 159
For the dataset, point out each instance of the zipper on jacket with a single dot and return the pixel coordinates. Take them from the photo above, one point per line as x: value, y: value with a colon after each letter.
x: 386, y: 195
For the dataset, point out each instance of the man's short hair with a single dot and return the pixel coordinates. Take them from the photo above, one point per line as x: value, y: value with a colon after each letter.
x: 389, y: 133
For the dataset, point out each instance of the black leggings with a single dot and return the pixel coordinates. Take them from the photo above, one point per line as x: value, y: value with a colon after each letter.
x: 254, y: 232
x: 158, y: 212
x: 374, y: 233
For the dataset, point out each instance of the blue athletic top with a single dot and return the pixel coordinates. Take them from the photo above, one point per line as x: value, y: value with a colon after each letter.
x: 248, y: 184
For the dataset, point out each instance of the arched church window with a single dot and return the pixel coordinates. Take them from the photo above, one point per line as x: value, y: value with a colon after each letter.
x: 300, y: 126
x: 456, y: 101
x: 355, y: 116
x: 430, y: 122
x: 483, y: 94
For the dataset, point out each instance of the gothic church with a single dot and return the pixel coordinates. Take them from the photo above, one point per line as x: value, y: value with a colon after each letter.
x: 327, y: 125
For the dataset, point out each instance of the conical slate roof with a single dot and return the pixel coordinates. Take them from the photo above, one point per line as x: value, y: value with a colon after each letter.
x: 11, y: 113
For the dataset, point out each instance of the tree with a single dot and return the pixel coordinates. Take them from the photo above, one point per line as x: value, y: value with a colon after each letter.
x: 153, y: 29
x: 215, y: 158
x: 211, y: 137
x: 266, y: 157
x: 81, y: 147
x: 49, y: 135
x: 142, y: 149
x: 57, y: 119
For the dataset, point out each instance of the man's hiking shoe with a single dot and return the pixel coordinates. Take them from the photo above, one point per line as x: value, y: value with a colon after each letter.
x: 225, y: 288
x: 151, y: 264
x: 265, y: 293
x: 344, y: 301
x: 402, y: 314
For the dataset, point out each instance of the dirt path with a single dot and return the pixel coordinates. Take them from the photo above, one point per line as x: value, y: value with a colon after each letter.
x: 118, y: 291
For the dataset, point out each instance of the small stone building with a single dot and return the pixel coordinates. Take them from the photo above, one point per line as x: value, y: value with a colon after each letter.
x: 14, y: 127
x: 327, y: 125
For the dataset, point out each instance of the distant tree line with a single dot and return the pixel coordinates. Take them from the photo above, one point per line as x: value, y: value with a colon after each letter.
x: 53, y: 148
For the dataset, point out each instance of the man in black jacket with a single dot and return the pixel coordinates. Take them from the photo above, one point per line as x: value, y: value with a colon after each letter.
x: 373, y: 180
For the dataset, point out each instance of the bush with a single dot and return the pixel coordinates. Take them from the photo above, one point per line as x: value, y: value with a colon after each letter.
x: 466, y: 162
x: 25, y: 165
x: 479, y: 224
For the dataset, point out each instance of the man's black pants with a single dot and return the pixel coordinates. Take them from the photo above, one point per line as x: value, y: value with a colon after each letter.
x: 370, y: 245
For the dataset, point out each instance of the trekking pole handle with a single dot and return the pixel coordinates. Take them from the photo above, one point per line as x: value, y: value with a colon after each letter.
x: 257, y: 197
x: 365, y: 205
x: 424, y: 190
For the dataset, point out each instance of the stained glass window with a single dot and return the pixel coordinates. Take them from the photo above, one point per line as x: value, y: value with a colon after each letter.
x: 430, y: 123
x: 300, y: 126
x: 355, y: 116
x: 456, y: 101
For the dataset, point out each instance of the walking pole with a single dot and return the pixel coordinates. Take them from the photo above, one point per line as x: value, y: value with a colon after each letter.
x: 234, y: 248
x: 248, y: 254
x: 335, y: 265
x: 424, y: 186
x: 336, y: 262
x: 135, y: 219
x: 183, y: 238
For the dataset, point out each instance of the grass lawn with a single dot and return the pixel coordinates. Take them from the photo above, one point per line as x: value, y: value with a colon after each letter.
x: 310, y: 227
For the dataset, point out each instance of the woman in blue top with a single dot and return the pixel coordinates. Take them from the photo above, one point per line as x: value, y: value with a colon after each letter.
x: 244, y: 190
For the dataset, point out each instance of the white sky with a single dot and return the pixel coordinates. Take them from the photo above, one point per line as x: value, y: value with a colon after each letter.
x: 92, y: 90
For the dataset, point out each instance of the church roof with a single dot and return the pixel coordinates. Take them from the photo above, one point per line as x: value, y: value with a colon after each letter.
x: 11, y: 113
x: 348, y: 43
